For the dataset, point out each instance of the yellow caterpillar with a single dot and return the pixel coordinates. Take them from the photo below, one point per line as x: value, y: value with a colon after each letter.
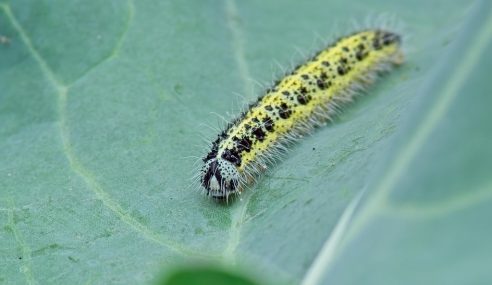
x: 295, y: 105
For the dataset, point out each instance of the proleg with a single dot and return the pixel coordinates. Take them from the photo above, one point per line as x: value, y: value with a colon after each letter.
x: 301, y: 101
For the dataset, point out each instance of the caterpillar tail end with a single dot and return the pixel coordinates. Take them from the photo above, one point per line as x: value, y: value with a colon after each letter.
x: 398, y: 57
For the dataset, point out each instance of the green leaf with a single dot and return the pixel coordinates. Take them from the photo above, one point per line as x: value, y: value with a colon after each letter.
x: 198, y: 275
x: 102, y: 103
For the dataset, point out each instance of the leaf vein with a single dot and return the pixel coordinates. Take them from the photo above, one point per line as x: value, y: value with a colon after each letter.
x: 235, y: 232
x: 238, y: 43
x: 117, y: 47
x: 45, y: 69
x: 434, y: 211
x: 238, y: 215
x: 26, y: 267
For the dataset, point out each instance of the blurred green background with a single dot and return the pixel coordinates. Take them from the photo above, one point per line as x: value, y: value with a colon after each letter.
x: 104, y: 104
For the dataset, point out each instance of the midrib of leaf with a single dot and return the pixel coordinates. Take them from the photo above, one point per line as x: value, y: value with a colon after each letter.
x: 378, y: 201
x: 315, y: 272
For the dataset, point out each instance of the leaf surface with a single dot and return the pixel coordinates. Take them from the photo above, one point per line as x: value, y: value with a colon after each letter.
x: 103, y: 102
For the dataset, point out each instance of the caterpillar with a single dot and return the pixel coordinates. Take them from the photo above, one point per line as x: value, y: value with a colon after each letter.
x: 305, y: 99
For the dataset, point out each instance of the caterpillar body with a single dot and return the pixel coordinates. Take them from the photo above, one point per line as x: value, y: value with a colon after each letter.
x: 301, y: 101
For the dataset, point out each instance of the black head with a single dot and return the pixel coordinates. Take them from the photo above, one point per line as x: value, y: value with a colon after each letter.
x: 220, y: 178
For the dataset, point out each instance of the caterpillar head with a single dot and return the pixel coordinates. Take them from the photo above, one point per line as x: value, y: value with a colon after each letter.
x: 220, y: 178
